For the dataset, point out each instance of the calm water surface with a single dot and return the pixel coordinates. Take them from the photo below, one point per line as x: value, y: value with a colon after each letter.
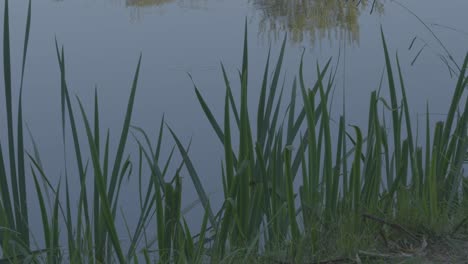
x: 103, y: 39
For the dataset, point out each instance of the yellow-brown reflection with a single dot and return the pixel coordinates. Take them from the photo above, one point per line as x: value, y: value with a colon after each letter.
x: 139, y: 7
x: 314, y: 19
x: 145, y: 3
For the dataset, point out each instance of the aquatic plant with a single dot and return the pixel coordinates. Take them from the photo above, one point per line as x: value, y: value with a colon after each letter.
x: 291, y: 192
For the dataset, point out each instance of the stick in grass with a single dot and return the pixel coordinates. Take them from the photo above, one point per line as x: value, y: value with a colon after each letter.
x: 395, y: 226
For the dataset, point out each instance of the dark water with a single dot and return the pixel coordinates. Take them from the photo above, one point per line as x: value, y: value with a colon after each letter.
x: 103, y: 39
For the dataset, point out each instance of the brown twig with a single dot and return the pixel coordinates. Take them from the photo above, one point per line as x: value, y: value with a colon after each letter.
x: 381, y: 233
x: 392, y: 225
x: 329, y: 261
x: 455, y: 230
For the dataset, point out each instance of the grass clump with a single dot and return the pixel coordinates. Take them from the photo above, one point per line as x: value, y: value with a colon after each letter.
x: 295, y: 189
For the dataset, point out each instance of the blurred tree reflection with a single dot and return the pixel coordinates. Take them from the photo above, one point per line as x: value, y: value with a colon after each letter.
x: 143, y: 3
x: 138, y: 7
x: 314, y: 19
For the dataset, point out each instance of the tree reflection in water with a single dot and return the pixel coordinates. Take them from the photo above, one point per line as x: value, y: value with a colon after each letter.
x: 314, y: 19
x: 143, y: 3
x: 139, y: 6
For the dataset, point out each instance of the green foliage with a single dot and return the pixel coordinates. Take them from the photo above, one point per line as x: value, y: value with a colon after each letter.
x: 14, y: 236
x: 288, y: 193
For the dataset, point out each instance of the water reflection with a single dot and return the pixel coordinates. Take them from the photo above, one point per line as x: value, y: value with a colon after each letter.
x: 139, y: 7
x: 314, y: 19
x: 145, y: 3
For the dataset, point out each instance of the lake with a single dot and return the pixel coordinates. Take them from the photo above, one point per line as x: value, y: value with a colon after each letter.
x: 103, y: 39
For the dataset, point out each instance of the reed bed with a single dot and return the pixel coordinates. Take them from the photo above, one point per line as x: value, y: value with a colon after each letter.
x: 296, y: 190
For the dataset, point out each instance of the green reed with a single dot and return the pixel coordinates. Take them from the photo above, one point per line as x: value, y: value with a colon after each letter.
x: 14, y: 220
x: 292, y: 192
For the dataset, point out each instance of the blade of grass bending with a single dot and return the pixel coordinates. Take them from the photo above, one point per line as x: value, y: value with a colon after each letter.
x: 54, y: 227
x: 394, y: 103
x: 272, y: 129
x: 155, y: 170
x: 105, y: 164
x: 101, y: 187
x: 201, y: 238
x: 302, y: 114
x: 356, y: 174
x: 433, y: 181
x: 43, y: 210
x: 126, y: 170
x: 377, y: 179
x: 300, y: 152
x: 231, y: 98
x: 337, y: 167
x: 5, y: 194
x: 447, y: 64
x: 428, y: 142
x: 124, y: 134
x: 459, y: 88
x: 262, y: 99
x: 37, y: 156
x: 8, y: 102
x: 264, y: 179
x: 417, y: 55
x: 431, y: 31
x: 66, y: 99
x: 344, y: 161
x: 147, y: 140
x: 195, y: 179
x: 273, y: 87
x: 456, y: 169
x: 227, y: 142
x: 55, y: 254
x: 98, y: 234
x: 256, y: 213
x: 25, y: 46
x: 311, y: 119
x: 160, y: 136
x: 62, y: 99
x: 414, y: 167
x: 166, y: 165
x: 190, y: 245
x: 145, y: 215
x: 225, y: 223
x: 129, y: 234
x: 168, y: 223
x: 318, y: 109
x: 159, y: 216
x: 291, y: 112
x: 331, y: 87
x: 244, y: 140
x: 245, y: 62
x: 412, y: 43
x: 96, y: 120
x: 208, y: 113
x: 20, y: 138
x: 290, y: 196
x: 328, y: 166
x: 69, y: 225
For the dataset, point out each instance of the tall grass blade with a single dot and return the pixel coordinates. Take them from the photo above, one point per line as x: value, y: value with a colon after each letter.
x: 195, y: 179
x: 394, y: 104
x: 459, y: 88
x: 109, y: 219
x: 20, y: 144
x: 262, y: 99
x: 11, y: 147
x: 67, y: 107
x: 124, y: 134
